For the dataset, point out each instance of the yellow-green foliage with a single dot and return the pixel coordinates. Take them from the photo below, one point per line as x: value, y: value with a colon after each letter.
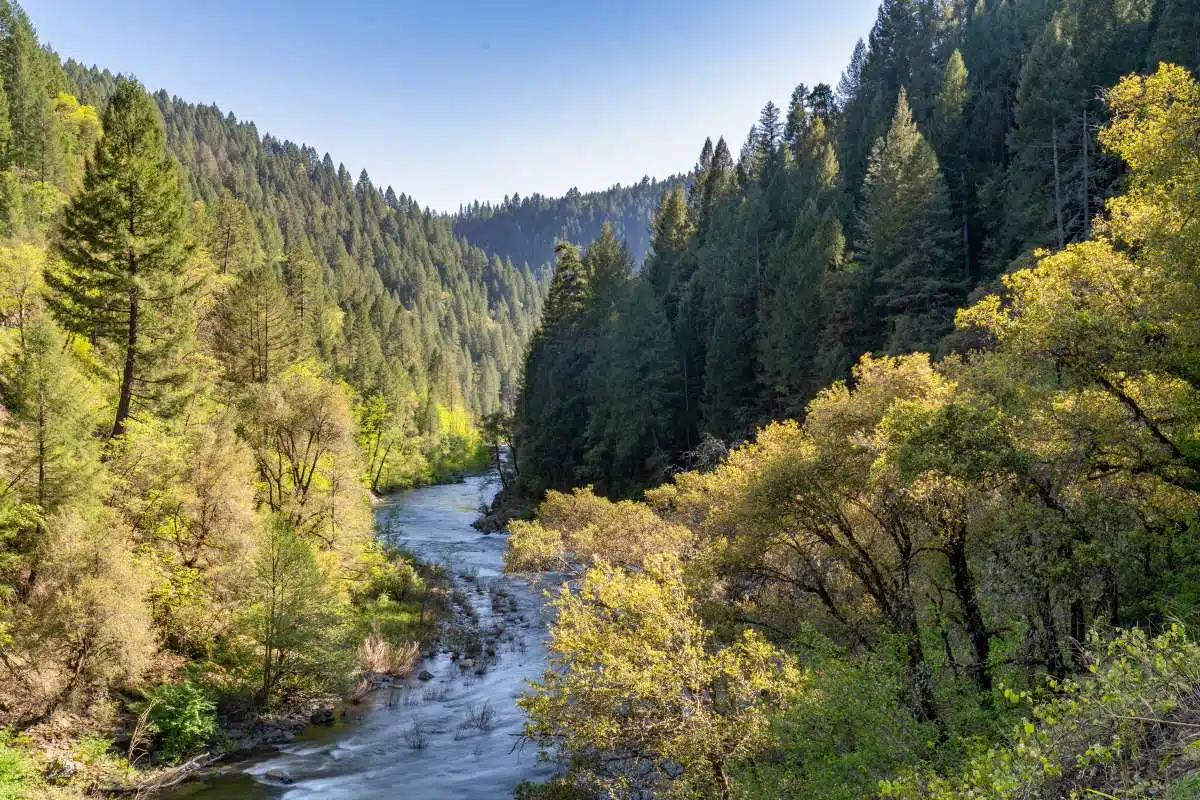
x: 1125, y: 729
x: 575, y: 530
x: 638, y: 690
x: 928, y: 533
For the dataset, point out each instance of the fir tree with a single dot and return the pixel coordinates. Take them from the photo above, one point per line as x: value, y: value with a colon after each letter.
x: 908, y: 242
x: 672, y: 230
x: 1176, y: 36
x: 256, y: 331
x: 123, y: 251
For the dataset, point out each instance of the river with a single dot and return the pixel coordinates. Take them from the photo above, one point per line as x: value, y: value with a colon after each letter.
x: 415, y: 741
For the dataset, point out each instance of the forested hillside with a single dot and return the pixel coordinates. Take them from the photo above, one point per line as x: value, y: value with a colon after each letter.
x: 425, y: 323
x: 961, y: 137
x: 525, y: 230
x: 907, y: 393
x: 213, y: 345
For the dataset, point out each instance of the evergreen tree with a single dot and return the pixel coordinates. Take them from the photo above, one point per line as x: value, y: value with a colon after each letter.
x: 909, y: 248
x: 50, y: 446
x: 1176, y: 37
x: 256, y: 330
x: 632, y: 431
x: 791, y: 317
x: 608, y: 266
x: 672, y: 230
x: 124, y: 256
x: 949, y: 140
x: 551, y: 412
x: 797, y: 116
x: 28, y: 88
x: 1050, y: 101
x: 230, y: 235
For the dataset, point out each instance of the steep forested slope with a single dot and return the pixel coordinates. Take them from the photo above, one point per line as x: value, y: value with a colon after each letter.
x: 525, y: 230
x: 961, y: 138
x: 425, y: 312
x: 213, y: 345
x: 946, y: 579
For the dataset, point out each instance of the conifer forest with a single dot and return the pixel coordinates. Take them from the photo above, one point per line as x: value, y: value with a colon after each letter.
x: 860, y: 461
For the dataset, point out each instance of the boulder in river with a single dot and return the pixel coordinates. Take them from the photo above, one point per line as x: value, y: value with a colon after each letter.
x: 279, y: 776
x: 425, y: 675
x: 321, y: 716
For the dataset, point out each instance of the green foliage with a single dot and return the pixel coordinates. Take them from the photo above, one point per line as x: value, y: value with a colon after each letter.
x: 122, y: 278
x: 908, y: 239
x: 17, y: 773
x: 928, y: 532
x: 182, y: 717
x: 294, y: 622
x: 1115, y: 730
x: 844, y: 733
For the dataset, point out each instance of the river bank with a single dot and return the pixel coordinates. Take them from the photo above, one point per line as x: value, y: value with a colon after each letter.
x: 451, y: 729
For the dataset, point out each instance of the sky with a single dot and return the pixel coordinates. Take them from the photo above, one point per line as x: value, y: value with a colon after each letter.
x: 453, y: 101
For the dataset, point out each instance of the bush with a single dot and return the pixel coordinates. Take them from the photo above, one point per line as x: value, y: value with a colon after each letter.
x: 182, y: 717
x: 848, y: 729
x: 1126, y: 730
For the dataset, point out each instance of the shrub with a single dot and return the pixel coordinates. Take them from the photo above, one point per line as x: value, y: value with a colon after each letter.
x: 376, y: 654
x: 182, y: 717
x: 1124, y: 730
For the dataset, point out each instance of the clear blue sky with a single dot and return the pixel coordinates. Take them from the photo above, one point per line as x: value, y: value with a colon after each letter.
x: 457, y: 100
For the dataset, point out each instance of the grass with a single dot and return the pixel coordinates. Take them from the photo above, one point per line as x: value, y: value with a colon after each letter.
x: 416, y: 736
x: 16, y: 772
x: 377, y: 655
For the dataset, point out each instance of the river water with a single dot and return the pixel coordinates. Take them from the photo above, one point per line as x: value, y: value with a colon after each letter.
x: 415, y: 741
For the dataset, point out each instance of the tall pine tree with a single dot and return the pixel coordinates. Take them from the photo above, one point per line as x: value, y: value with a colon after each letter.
x: 909, y: 246
x: 123, y: 253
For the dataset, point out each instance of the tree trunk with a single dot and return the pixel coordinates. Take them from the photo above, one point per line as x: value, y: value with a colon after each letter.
x: 1087, y: 202
x: 977, y: 632
x: 1051, y: 652
x: 127, y: 375
x: 920, y: 688
x: 720, y: 778
x: 1058, y: 209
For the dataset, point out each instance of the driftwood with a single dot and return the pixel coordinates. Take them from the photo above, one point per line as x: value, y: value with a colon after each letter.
x: 163, y: 779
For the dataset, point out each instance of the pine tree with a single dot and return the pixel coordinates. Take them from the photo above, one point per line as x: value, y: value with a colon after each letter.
x: 949, y: 139
x: 568, y: 291
x: 256, y: 331
x: 54, y: 408
x: 797, y: 116
x: 122, y: 246
x: 1050, y: 101
x: 27, y: 86
x: 551, y: 412
x: 636, y: 389
x: 908, y: 242
x: 672, y: 230
x: 302, y: 277
x: 792, y: 314
x: 608, y: 266
x: 1176, y: 38
x: 231, y: 238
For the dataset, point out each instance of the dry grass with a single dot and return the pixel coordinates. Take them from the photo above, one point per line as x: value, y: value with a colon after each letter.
x: 377, y: 655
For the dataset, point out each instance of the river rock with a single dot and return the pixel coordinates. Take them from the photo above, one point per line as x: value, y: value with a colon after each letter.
x: 62, y: 770
x: 425, y: 675
x: 279, y: 776
x: 467, y: 663
x: 321, y: 716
